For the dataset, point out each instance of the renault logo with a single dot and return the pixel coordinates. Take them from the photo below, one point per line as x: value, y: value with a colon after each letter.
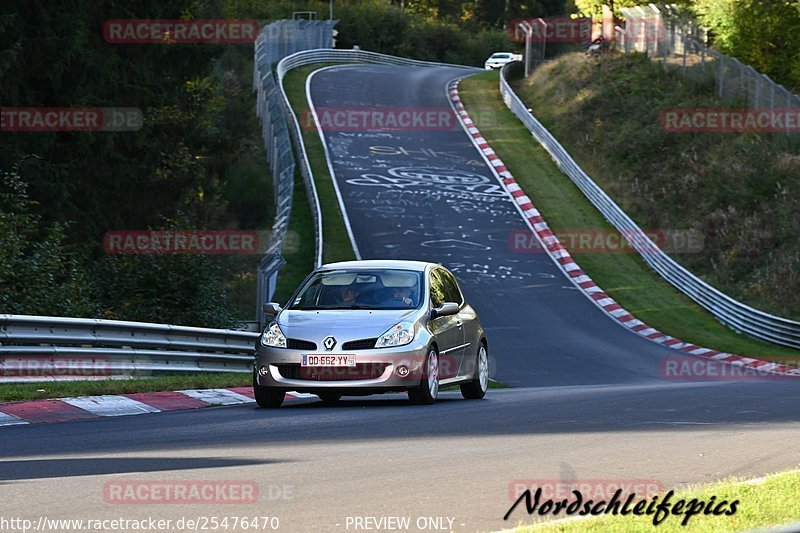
x: 329, y: 343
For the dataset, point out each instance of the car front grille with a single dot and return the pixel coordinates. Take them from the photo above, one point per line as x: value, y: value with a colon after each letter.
x: 323, y: 373
x: 362, y: 344
x: 297, y: 344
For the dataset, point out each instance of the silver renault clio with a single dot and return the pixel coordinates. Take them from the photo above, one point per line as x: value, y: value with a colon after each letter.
x: 368, y: 327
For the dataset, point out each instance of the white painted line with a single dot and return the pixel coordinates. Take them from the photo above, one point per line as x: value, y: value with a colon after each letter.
x: 109, y: 405
x: 9, y: 420
x: 218, y: 396
x: 328, y: 158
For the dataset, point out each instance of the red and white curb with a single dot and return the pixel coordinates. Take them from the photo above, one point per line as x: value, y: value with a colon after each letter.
x: 559, y: 254
x: 88, y: 407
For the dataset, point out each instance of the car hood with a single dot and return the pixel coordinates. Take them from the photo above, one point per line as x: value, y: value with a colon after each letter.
x: 343, y: 324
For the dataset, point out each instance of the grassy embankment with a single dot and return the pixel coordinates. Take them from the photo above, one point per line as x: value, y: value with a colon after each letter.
x: 336, y: 243
x: 623, y: 275
x: 765, y: 502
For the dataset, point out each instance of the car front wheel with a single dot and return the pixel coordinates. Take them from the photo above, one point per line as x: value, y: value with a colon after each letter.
x: 428, y: 388
x: 267, y: 396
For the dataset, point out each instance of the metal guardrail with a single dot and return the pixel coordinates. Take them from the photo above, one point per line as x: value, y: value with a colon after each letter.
x: 274, y: 42
x: 40, y: 348
x: 735, y: 314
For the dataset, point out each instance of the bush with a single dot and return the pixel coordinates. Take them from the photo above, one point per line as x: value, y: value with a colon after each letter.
x: 39, y: 273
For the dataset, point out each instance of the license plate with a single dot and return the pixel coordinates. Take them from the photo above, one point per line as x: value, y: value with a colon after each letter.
x: 328, y: 360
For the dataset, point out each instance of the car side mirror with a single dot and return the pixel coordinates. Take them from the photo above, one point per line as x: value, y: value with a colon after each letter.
x: 446, y: 309
x: 272, y: 308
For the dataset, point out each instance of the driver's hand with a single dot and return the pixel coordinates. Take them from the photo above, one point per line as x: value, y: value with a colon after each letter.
x: 406, y: 300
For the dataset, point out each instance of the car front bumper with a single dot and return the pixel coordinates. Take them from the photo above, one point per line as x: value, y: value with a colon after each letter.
x: 376, y: 370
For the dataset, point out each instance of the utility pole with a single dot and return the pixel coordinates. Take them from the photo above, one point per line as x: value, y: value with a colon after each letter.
x: 331, y: 5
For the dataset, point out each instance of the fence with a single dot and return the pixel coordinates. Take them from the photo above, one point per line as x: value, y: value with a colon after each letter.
x: 661, y: 33
x: 40, y: 348
x: 274, y: 42
x: 734, y: 314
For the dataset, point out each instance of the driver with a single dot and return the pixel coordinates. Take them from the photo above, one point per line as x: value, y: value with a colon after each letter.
x: 400, y: 295
x: 349, y: 295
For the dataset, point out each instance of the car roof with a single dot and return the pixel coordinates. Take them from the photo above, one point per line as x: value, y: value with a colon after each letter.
x: 418, y: 266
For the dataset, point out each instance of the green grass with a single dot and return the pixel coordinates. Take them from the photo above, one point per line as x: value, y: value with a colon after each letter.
x: 15, y: 392
x: 624, y: 276
x: 299, y: 248
x: 768, y: 502
x: 336, y: 242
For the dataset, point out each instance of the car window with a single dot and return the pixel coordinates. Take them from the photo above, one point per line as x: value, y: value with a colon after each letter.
x: 451, y: 291
x: 360, y: 289
x: 437, y: 289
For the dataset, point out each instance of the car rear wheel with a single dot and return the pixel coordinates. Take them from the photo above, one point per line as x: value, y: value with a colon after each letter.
x: 476, y: 389
x: 428, y: 389
x: 329, y: 397
x: 267, y: 396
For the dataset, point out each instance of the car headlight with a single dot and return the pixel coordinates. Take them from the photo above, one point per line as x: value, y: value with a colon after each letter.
x: 398, y: 335
x: 273, y: 336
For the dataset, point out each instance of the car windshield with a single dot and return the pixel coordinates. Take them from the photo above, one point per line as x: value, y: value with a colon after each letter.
x: 501, y: 56
x: 360, y: 289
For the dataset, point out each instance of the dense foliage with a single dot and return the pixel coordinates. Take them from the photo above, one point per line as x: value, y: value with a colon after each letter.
x: 198, y: 161
x: 196, y: 147
x: 764, y: 34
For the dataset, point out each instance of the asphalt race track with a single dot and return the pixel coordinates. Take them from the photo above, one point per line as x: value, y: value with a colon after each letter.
x: 589, y: 401
x: 428, y: 195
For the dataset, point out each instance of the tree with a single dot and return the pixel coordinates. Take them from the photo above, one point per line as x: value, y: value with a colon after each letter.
x: 764, y: 34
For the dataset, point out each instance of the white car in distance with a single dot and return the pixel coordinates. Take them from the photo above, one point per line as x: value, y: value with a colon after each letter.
x: 501, y: 59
